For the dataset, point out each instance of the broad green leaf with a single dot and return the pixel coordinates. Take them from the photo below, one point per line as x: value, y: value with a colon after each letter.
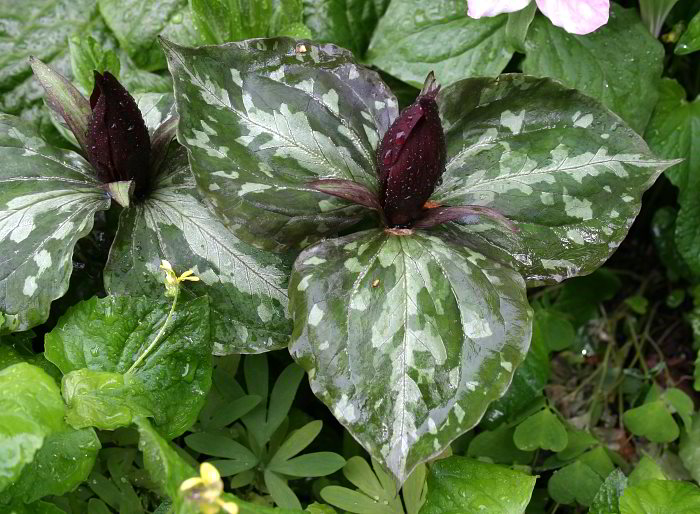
x: 62, y: 464
x: 97, y: 341
x: 137, y: 23
x: 247, y: 286
x: 646, y: 469
x: 40, y: 28
x: 661, y: 497
x: 619, y: 64
x: 498, y: 446
x: 689, y: 448
x: 458, y: 484
x: 578, y: 441
x: 689, y: 41
x: 48, y: 198
x: 87, y: 56
x: 413, y: 39
x: 262, y: 118
x: 406, y: 338
x: 674, y: 131
x: 598, y: 460
x: 220, y: 21
x: 680, y: 403
x: 557, y: 163
x: 347, y: 23
x: 653, y: 421
x: 554, y: 328
x: 580, y: 297
x: 355, y: 501
x: 32, y: 409
x: 541, y: 430
x: 663, y: 229
x: 517, y: 26
x: 576, y: 482
x: 607, y: 499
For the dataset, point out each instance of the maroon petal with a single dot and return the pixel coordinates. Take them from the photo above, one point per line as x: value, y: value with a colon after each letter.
x: 347, y: 190
x: 439, y: 215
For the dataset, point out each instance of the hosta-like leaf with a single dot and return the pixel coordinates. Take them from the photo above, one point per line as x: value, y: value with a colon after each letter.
x: 48, y: 198
x: 568, y: 171
x: 407, y: 338
x: 262, y: 118
x: 414, y: 38
x: 96, y: 343
x: 247, y: 286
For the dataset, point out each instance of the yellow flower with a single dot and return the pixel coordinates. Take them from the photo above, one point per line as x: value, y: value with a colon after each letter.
x: 205, y: 490
x: 172, y: 281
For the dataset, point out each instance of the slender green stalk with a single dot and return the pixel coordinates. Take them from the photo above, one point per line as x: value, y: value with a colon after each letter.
x: 158, y: 337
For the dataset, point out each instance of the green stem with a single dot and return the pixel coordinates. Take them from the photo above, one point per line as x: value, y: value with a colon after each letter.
x: 158, y: 337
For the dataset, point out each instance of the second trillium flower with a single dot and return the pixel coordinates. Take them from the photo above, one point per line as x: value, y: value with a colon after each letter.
x: 411, y: 159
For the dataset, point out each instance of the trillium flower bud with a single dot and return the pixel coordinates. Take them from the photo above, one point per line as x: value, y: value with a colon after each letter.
x: 118, y: 144
x: 411, y: 158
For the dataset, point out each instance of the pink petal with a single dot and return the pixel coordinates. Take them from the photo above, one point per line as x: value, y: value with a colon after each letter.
x: 479, y: 8
x: 576, y: 16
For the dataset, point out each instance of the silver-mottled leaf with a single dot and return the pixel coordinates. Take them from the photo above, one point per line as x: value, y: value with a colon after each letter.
x: 247, y: 286
x: 48, y: 198
x: 262, y: 118
x: 407, y: 338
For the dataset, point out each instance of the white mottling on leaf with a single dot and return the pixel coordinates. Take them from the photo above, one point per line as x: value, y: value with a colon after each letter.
x: 264, y: 313
x: 304, y: 283
x: 42, y: 260
x: 316, y: 315
x: 583, y: 121
x: 252, y: 188
x: 459, y: 412
x: 29, y: 286
x: 513, y: 121
x: 236, y: 77
x: 314, y: 260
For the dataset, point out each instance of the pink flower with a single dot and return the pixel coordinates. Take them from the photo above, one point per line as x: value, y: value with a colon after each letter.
x: 574, y: 16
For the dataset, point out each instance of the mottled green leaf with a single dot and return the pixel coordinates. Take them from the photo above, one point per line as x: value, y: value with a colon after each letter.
x: 541, y: 430
x: 262, y: 118
x: 619, y: 64
x: 458, y: 484
x: 247, y: 286
x: 674, y: 131
x: 48, y: 198
x: 40, y: 28
x: 97, y: 341
x: 347, y: 23
x: 406, y: 338
x: 576, y: 482
x: 32, y: 409
x: 564, y: 168
x: 607, y: 499
x: 62, y: 464
x: 661, y: 497
x: 414, y: 38
x: 689, y: 41
x: 137, y: 23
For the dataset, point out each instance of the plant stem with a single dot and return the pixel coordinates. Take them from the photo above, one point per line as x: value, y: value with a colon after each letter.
x: 158, y: 337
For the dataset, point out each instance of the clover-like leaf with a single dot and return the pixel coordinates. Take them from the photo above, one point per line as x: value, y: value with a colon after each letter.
x: 564, y: 168
x: 576, y: 482
x: 406, y: 338
x: 48, y: 198
x: 262, y: 118
x: 541, y: 430
x: 247, y: 286
x: 96, y: 343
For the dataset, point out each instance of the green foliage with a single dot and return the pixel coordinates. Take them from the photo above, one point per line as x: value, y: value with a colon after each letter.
x: 660, y: 496
x: 541, y: 430
x: 87, y: 55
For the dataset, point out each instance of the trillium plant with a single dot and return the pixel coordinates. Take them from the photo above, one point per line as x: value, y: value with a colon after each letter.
x: 389, y: 251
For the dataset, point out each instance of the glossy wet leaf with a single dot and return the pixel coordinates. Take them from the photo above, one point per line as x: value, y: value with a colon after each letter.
x: 620, y: 64
x: 689, y: 41
x: 541, y: 430
x: 406, y: 338
x: 247, y: 286
x: 411, y: 40
x: 607, y: 499
x: 137, y: 24
x: 263, y: 118
x: 40, y: 28
x: 48, y: 198
x: 95, y: 344
x: 32, y: 409
x: 458, y: 484
x: 61, y: 465
x: 576, y: 482
x: 674, y: 132
x: 661, y: 497
x: 346, y: 23
x: 566, y: 170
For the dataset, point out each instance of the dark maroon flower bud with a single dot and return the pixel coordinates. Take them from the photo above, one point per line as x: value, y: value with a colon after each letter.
x: 118, y: 144
x: 411, y: 158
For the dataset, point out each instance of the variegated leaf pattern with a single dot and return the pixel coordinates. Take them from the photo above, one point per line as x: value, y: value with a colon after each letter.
x: 48, y: 198
x: 247, y: 286
x: 568, y: 171
x: 155, y: 108
x: 407, y: 338
x: 262, y: 118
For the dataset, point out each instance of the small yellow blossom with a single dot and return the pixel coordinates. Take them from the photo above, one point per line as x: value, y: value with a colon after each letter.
x: 205, y: 490
x: 172, y: 281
